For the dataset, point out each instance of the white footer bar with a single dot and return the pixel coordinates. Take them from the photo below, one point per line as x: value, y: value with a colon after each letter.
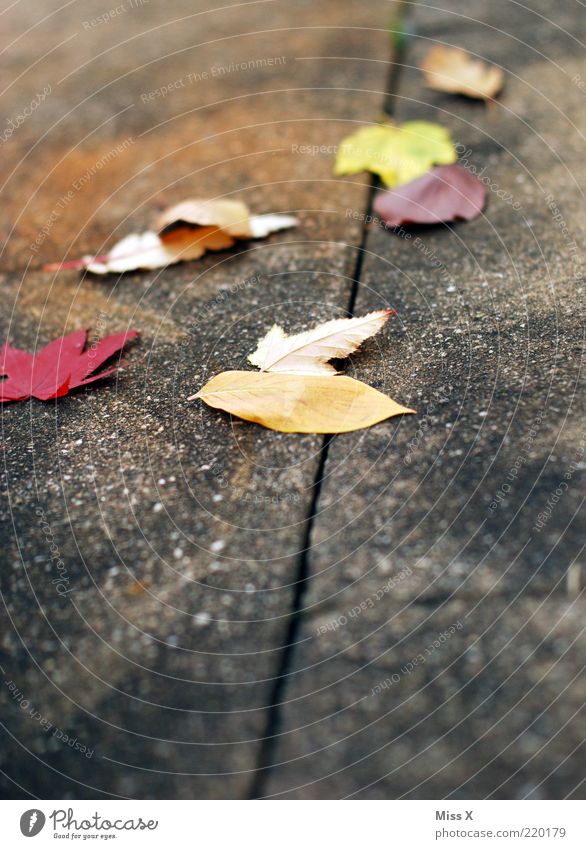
x: 295, y: 824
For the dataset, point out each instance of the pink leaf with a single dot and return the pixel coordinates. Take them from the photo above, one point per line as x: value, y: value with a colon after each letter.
x: 446, y: 193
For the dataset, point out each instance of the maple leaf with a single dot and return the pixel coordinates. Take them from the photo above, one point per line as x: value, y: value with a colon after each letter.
x: 309, y: 352
x: 60, y: 366
x: 454, y: 70
x: 397, y: 154
x: 297, y: 391
x: 447, y: 193
x: 183, y: 232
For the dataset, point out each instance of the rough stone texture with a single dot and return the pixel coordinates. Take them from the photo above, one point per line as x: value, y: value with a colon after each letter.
x: 440, y: 644
x: 180, y: 530
x: 487, y: 346
x: 463, y: 701
x: 99, y: 136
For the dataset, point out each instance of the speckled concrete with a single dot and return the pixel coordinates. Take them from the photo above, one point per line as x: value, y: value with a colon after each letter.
x: 439, y: 647
x: 461, y: 701
x: 474, y: 509
x: 179, y: 530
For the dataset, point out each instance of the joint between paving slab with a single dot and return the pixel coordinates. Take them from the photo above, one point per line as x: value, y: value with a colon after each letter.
x: 268, y: 744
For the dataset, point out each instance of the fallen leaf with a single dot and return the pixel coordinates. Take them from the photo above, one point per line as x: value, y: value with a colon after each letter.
x: 455, y: 71
x: 59, y: 367
x: 309, y: 352
x: 231, y: 216
x: 185, y: 232
x: 149, y: 251
x: 297, y: 391
x: 447, y: 193
x: 262, y: 226
x: 397, y: 154
x: 299, y: 403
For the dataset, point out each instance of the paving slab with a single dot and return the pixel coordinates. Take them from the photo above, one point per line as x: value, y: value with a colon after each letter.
x: 465, y: 701
x: 151, y: 547
x: 131, y: 122
x: 479, y: 498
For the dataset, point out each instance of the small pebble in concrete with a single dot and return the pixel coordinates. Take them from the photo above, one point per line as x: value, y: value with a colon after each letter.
x: 202, y: 618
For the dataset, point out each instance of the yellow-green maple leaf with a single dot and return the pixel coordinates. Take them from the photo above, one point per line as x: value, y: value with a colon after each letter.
x: 397, y: 154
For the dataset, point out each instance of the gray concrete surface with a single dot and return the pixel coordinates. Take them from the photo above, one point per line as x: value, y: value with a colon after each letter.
x: 453, y: 510
x: 202, y: 650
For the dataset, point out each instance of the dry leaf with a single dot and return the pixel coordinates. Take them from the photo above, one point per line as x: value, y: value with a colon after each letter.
x: 62, y: 365
x: 185, y: 231
x: 299, y: 403
x: 397, y: 154
x: 447, y: 193
x: 263, y: 225
x: 297, y: 391
x: 229, y: 215
x: 309, y: 352
x: 455, y: 71
x: 148, y: 251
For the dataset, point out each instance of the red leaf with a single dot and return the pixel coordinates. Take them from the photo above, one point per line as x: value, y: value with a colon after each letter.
x: 59, y: 367
x: 446, y: 193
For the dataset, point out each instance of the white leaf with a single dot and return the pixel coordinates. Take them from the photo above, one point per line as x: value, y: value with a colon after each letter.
x: 309, y: 352
x: 147, y: 250
x: 262, y: 225
x: 185, y: 231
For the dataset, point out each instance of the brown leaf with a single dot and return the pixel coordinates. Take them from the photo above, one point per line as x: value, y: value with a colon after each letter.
x: 448, y: 193
x: 455, y: 71
x: 186, y: 231
x: 299, y: 403
x: 231, y: 216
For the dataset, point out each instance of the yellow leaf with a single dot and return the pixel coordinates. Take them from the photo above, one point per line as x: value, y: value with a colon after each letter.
x: 455, y: 71
x: 398, y: 154
x: 299, y: 403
